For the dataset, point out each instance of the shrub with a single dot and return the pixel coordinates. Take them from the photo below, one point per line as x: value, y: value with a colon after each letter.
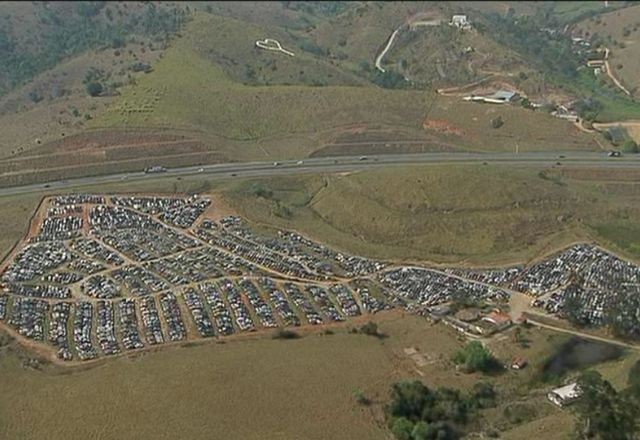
x: 260, y: 190
x: 630, y: 146
x: 370, y: 328
x: 283, y: 333
x: 497, y: 122
x: 361, y: 398
x: 94, y: 88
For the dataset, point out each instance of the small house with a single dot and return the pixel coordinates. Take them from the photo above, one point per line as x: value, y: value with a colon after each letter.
x: 565, y: 395
x: 460, y: 21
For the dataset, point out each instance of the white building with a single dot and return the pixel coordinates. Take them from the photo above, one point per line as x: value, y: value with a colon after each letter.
x: 460, y: 21
x: 565, y: 395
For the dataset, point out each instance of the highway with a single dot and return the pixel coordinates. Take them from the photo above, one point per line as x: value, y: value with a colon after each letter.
x: 344, y: 164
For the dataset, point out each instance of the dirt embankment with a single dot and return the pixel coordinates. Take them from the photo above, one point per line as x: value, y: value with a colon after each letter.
x: 106, y: 151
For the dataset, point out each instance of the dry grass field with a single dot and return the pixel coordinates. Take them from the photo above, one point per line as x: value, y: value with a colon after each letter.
x: 253, y: 389
x: 260, y: 388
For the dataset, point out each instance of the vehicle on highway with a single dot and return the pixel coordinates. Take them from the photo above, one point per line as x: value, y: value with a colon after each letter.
x: 363, y: 158
x: 300, y: 162
x: 275, y: 164
x: 155, y: 169
x: 47, y: 185
x: 233, y: 174
x: 561, y: 156
x: 614, y: 154
x: 200, y: 170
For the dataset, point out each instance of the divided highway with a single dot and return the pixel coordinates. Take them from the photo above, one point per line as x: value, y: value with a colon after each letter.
x: 344, y: 164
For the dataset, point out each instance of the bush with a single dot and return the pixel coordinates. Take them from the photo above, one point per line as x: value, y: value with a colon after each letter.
x: 630, y: 146
x: 283, y: 333
x: 94, y: 89
x: 312, y: 47
x: 361, y: 398
x: 370, y: 328
x: 282, y: 211
x: 497, y: 122
x: 260, y: 190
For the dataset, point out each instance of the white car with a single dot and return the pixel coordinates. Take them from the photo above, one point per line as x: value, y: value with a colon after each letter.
x: 275, y: 164
x: 300, y: 162
x: 200, y: 170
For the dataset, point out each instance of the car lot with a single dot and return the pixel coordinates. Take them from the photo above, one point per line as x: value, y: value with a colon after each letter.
x: 107, y: 274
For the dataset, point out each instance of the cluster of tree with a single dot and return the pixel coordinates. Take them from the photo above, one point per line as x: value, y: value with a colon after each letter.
x: 417, y: 412
x: 607, y: 414
x: 389, y: 79
x: 588, y: 108
x: 475, y: 357
x: 551, y: 52
x: 319, y: 9
x: 65, y: 33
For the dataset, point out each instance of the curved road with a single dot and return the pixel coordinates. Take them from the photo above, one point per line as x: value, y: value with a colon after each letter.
x: 344, y: 164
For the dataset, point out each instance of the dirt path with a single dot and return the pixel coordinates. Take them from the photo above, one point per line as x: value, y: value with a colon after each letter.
x: 386, y: 49
x: 582, y: 334
x: 611, y: 75
x: 454, y: 91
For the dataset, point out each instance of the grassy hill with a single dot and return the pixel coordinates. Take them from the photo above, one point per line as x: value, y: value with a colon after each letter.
x: 620, y: 32
x: 187, y: 90
x: 476, y: 214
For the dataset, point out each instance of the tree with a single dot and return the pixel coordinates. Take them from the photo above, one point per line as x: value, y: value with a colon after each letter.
x: 94, y: 88
x: 603, y: 412
x: 402, y: 428
x: 630, y: 146
x: 475, y: 357
x: 422, y: 431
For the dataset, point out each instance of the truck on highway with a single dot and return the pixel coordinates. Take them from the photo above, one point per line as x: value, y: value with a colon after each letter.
x: 155, y: 169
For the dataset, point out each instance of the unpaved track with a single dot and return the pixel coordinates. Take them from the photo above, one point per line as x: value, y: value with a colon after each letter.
x: 611, y: 75
x: 386, y: 49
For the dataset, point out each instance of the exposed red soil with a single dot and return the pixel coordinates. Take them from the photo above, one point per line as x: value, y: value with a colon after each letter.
x: 442, y: 126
